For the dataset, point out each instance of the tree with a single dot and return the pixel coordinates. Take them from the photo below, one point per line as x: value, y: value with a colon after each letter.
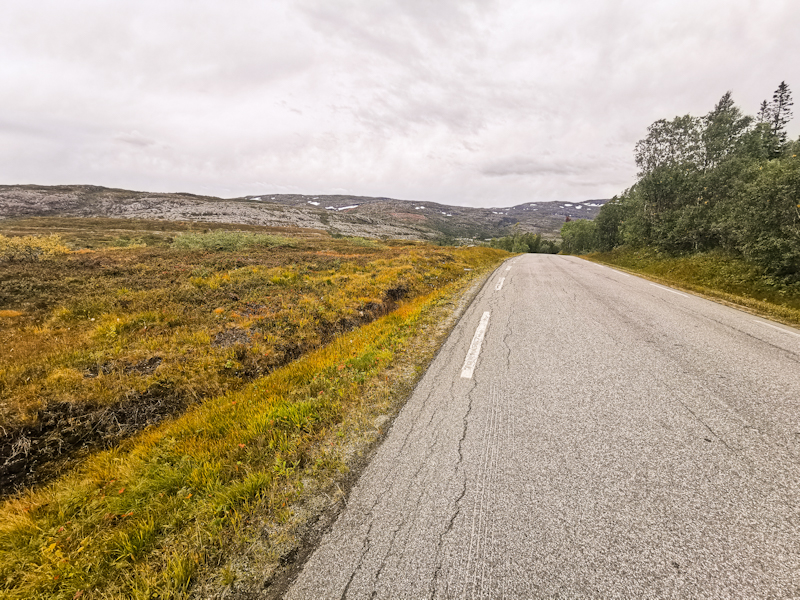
x: 608, y: 234
x: 764, y: 216
x: 776, y: 115
x: 578, y: 236
x: 763, y: 115
x: 781, y: 112
x: 525, y: 242
x: 669, y: 144
x: 724, y: 128
x: 724, y: 181
x: 519, y: 246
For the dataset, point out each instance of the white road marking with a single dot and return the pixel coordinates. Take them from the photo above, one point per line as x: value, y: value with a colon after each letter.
x: 669, y: 290
x: 499, y: 284
x: 475, y: 347
x: 508, y: 268
x: 778, y: 328
x: 621, y: 273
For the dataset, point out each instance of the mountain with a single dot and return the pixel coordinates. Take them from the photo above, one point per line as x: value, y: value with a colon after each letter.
x: 345, y: 215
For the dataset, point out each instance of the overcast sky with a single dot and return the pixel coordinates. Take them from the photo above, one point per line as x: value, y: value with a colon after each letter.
x: 483, y: 103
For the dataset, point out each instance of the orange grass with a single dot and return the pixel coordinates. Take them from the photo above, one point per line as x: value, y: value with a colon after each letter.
x: 140, y: 520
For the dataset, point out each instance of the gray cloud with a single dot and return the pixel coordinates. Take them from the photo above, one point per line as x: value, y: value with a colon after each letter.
x: 134, y: 138
x: 480, y: 102
x: 520, y: 165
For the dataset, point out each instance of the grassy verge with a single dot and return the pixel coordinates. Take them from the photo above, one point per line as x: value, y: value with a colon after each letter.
x: 715, y: 275
x: 143, y: 519
x: 103, y: 343
x: 265, y: 556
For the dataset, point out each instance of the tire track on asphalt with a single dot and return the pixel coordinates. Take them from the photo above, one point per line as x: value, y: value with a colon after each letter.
x: 482, y: 570
x: 570, y: 465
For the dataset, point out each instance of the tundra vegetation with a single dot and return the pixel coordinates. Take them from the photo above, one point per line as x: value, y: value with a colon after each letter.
x: 157, y: 399
x: 716, y: 207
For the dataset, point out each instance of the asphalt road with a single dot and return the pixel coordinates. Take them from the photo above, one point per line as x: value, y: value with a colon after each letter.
x: 616, y: 439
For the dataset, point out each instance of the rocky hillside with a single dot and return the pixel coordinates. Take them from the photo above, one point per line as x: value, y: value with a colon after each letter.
x: 345, y: 215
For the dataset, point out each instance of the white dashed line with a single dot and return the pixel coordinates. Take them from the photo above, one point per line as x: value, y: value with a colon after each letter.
x: 475, y: 347
x: 778, y: 328
x: 499, y: 285
x: 669, y: 290
x: 621, y: 273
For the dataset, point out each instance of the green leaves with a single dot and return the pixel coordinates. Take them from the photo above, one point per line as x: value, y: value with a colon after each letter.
x: 725, y: 180
x: 669, y: 144
x: 579, y: 236
x: 525, y: 242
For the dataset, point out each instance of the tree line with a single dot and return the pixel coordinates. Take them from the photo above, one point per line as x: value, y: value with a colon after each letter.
x: 520, y: 241
x: 724, y: 181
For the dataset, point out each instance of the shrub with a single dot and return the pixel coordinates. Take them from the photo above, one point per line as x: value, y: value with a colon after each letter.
x: 31, y: 247
x: 228, y: 240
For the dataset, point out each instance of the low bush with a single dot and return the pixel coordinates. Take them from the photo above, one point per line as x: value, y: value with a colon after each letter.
x: 31, y: 247
x: 229, y: 240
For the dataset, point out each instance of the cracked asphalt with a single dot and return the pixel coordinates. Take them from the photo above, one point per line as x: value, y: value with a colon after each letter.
x: 617, y: 440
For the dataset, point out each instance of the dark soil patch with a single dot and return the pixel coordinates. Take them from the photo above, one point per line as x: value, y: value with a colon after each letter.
x: 98, y: 369
x: 231, y: 337
x: 368, y: 313
x: 396, y: 294
x: 65, y: 432
x: 145, y: 367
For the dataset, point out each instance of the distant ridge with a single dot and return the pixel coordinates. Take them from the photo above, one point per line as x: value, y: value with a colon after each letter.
x: 339, y: 214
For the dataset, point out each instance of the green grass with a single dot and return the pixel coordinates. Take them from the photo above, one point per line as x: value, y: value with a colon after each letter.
x: 76, y: 326
x: 142, y: 519
x: 716, y: 275
x: 229, y: 240
x: 146, y: 518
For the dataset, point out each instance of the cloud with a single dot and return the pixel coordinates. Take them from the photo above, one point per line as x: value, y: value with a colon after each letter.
x: 471, y: 102
x: 521, y: 165
x: 134, y: 138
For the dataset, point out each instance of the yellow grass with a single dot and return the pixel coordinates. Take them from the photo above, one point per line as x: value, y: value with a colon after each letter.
x: 716, y: 275
x: 143, y: 518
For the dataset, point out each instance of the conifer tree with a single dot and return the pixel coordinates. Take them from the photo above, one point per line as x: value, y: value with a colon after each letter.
x: 763, y: 115
x: 723, y: 130
x: 781, y: 112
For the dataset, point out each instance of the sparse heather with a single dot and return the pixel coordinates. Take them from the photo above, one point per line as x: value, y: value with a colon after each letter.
x: 103, y: 343
x: 266, y: 352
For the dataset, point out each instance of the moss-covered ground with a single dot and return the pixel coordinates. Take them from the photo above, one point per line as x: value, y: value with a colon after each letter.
x: 241, y: 356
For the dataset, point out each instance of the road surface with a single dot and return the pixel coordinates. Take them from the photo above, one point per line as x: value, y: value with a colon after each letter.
x: 583, y: 433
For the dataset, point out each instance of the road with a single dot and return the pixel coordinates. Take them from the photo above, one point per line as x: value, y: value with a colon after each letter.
x: 613, y: 438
